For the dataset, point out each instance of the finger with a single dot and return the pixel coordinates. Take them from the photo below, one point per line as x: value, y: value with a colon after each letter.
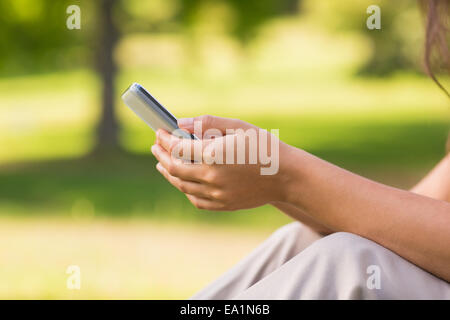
x: 185, y: 149
x: 166, y: 140
x: 176, y: 167
x: 188, y: 187
x: 205, y: 204
x: 209, y: 151
x: 205, y: 122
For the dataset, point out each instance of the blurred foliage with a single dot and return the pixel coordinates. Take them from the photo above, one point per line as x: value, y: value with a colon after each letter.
x: 247, y: 16
x: 398, y: 45
x: 33, y: 35
x: 147, y: 16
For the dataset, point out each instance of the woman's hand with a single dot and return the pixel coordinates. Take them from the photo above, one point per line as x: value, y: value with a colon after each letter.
x: 224, y: 185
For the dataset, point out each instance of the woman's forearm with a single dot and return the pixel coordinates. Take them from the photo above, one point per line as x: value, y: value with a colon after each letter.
x: 437, y: 183
x: 415, y: 227
x: 301, y: 216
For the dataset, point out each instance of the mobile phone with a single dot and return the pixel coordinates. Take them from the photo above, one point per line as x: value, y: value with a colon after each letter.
x: 152, y: 112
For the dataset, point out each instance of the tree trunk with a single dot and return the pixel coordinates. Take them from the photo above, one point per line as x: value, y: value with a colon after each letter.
x: 108, y: 128
x: 291, y: 7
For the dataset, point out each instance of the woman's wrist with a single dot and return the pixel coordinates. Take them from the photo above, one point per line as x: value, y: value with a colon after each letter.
x: 292, y: 165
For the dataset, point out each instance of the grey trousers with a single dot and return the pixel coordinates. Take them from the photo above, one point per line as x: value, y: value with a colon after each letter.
x: 297, y: 263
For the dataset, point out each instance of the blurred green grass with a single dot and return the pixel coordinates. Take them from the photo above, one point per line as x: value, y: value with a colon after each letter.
x: 118, y: 259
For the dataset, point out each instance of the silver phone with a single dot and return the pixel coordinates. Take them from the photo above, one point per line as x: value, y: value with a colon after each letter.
x: 152, y: 112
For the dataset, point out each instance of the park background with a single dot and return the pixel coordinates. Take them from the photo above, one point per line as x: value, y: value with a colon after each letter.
x: 78, y: 184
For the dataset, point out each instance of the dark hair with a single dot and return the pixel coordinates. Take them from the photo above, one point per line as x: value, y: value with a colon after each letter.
x: 436, y: 42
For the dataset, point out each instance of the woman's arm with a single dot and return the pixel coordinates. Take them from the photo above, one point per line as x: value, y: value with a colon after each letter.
x: 301, y: 216
x: 414, y: 226
x: 437, y: 183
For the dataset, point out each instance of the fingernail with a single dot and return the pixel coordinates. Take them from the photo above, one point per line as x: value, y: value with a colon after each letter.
x: 185, y: 122
x: 153, y: 149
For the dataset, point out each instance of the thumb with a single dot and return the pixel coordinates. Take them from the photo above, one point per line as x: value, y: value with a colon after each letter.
x: 206, y: 122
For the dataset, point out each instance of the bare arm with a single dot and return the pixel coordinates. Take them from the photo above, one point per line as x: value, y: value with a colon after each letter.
x: 436, y: 184
x: 414, y: 226
x: 301, y: 216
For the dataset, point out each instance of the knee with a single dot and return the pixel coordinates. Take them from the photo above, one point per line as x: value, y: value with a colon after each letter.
x: 290, y: 229
x: 351, y: 249
x: 352, y: 260
x: 344, y: 243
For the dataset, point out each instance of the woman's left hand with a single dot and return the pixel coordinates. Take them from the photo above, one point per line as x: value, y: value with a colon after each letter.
x: 224, y: 187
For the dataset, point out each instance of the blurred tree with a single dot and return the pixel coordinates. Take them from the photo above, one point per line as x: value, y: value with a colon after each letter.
x: 108, y: 36
x: 34, y: 37
x: 396, y: 46
x: 248, y: 15
x: 251, y: 14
